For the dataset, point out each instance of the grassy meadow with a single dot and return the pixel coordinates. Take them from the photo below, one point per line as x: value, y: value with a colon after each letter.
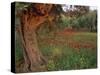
x: 66, y: 50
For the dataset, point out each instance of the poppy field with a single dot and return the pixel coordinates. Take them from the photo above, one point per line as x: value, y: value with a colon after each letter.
x: 66, y: 50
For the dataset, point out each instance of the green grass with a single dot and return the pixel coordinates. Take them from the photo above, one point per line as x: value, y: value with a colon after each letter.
x: 62, y: 56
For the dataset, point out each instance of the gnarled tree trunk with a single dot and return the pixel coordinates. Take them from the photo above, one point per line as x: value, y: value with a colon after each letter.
x: 29, y: 23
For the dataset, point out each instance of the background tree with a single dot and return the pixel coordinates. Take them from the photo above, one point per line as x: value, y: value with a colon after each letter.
x: 79, y: 18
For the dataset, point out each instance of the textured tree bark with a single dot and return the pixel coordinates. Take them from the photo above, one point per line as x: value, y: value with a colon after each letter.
x: 29, y: 23
x: 32, y: 56
x: 31, y: 19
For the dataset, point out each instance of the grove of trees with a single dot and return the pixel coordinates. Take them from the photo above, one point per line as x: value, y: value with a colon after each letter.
x: 80, y: 18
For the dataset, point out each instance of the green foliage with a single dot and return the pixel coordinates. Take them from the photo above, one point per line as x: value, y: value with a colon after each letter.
x: 61, y: 23
x: 51, y: 65
x: 21, y: 5
x: 64, y: 22
x: 87, y: 21
x: 18, y: 49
